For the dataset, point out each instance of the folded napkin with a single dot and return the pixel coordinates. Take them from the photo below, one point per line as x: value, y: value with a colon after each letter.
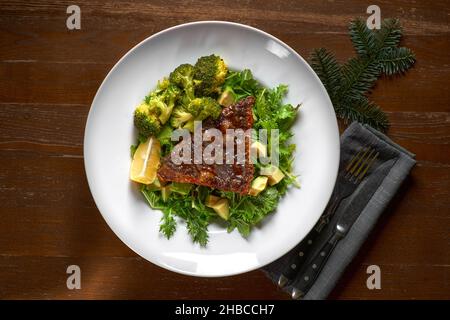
x: 371, y: 197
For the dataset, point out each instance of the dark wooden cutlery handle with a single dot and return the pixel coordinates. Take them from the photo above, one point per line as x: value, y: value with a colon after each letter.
x: 297, y: 259
x: 302, y: 251
x: 310, y: 272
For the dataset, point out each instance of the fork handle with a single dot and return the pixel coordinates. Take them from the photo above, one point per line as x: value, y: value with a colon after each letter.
x: 301, y: 253
x: 309, y: 274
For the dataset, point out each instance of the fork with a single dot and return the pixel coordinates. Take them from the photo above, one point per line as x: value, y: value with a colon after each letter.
x: 346, y: 183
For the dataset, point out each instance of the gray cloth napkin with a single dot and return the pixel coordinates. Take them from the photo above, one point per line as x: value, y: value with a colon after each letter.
x: 371, y: 197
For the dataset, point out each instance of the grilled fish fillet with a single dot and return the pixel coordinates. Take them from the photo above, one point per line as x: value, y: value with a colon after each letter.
x: 234, y: 176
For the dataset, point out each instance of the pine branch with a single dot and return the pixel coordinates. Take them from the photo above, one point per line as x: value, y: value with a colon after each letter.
x: 361, y: 73
x: 348, y: 85
x: 364, y: 111
x: 328, y: 69
x: 389, y: 34
x: 359, y: 76
x: 396, y: 60
x: 363, y: 38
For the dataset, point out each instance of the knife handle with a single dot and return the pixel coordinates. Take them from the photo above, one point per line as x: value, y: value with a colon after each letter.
x: 292, y: 268
x: 297, y: 258
x: 309, y: 274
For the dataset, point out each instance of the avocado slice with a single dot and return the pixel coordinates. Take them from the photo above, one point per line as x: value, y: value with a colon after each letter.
x: 258, y: 149
x: 152, y: 187
x: 181, y: 188
x: 222, y: 208
x: 165, y: 192
x: 258, y: 185
x: 211, y: 200
x: 274, y: 174
x: 155, y: 186
x: 158, y: 183
x: 226, y: 98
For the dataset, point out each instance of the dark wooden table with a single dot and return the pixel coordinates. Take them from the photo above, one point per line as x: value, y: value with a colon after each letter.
x: 49, y: 76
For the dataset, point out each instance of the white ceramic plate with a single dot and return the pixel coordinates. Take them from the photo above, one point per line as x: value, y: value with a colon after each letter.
x: 110, y: 132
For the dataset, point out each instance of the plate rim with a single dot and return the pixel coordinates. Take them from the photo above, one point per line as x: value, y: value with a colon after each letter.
x: 158, y: 34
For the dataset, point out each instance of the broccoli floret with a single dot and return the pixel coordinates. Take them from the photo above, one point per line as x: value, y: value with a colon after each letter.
x: 172, y: 94
x: 209, y: 75
x: 182, y: 77
x: 189, y: 125
x: 180, y: 117
x: 202, y: 108
x: 163, y: 84
x: 170, y: 97
x: 162, y: 102
x: 146, y: 121
x: 156, y: 109
x: 155, y: 103
x: 197, y: 110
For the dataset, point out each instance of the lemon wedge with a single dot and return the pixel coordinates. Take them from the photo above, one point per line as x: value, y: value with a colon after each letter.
x: 146, y: 161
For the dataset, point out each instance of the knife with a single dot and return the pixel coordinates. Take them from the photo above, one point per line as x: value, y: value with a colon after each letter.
x: 309, y: 273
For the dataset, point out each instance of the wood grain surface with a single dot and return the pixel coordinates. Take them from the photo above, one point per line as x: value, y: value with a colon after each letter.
x: 49, y: 76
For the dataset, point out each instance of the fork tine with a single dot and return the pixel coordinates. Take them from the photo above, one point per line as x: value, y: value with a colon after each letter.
x: 354, y: 158
x: 363, y: 163
x: 368, y: 165
x: 357, y: 164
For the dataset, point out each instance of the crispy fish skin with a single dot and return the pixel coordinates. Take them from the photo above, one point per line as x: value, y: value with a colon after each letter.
x: 237, y: 116
x: 227, y: 177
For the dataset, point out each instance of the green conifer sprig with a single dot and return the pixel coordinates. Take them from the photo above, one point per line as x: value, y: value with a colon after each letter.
x: 349, y: 84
